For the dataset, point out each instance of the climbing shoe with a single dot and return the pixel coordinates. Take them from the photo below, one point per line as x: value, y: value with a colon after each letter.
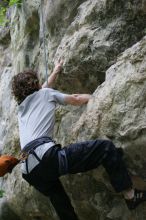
x: 139, y: 197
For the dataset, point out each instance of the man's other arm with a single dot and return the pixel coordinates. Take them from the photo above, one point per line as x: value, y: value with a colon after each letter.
x: 77, y: 99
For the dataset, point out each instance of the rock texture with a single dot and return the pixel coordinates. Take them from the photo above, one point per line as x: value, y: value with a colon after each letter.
x: 104, y: 50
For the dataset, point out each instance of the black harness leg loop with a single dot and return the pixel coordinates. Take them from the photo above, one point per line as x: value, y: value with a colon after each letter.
x: 36, y: 156
x: 27, y: 166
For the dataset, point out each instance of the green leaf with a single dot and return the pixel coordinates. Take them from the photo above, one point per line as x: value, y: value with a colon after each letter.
x: 14, y: 2
x: 2, y: 193
x: 3, y: 9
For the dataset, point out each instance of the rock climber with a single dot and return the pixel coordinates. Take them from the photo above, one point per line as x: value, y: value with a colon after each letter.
x: 46, y: 160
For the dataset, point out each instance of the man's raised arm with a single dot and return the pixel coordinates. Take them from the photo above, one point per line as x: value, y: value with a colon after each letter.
x: 53, y: 76
x: 77, y: 99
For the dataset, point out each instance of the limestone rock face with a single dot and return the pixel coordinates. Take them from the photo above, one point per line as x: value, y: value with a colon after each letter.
x: 104, y: 50
x: 117, y: 112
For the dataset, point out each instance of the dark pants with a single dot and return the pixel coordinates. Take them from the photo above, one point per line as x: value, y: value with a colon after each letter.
x: 81, y: 157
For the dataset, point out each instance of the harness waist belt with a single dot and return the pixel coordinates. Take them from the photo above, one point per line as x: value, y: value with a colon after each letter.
x: 62, y: 159
x: 31, y: 146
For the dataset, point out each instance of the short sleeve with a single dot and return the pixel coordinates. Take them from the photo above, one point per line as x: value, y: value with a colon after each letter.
x: 56, y: 95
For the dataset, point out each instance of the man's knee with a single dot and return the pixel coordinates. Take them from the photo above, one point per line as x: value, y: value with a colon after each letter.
x: 111, y: 158
x: 109, y: 146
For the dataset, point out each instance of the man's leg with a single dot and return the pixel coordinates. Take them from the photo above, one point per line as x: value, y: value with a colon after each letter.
x: 43, y: 179
x: 61, y: 202
x: 90, y: 154
x: 58, y: 198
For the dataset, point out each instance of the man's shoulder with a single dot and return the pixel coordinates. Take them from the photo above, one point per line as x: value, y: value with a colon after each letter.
x: 46, y: 90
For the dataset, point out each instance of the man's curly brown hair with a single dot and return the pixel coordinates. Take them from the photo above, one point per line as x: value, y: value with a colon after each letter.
x: 24, y: 84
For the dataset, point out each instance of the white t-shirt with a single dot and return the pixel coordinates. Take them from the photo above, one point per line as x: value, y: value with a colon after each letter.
x: 36, y: 118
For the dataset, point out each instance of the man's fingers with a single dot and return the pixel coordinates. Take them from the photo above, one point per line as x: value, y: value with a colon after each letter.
x: 60, y: 61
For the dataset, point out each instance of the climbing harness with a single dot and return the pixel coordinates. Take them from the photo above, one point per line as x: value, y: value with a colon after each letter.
x: 31, y: 146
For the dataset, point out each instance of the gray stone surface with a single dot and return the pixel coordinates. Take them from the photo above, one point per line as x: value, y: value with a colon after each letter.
x: 93, y: 37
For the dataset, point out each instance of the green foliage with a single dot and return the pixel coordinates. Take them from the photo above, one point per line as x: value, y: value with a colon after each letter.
x: 1, y: 193
x: 2, y: 15
x: 4, y: 5
x: 14, y: 2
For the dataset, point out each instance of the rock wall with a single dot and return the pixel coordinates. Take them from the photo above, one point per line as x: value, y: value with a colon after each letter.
x: 104, y: 50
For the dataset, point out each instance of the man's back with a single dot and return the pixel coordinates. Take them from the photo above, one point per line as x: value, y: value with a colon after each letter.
x: 36, y: 114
